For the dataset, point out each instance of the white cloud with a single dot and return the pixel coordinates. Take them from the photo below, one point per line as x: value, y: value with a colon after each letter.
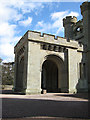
x: 43, y: 27
x: 7, y: 50
x: 58, y: 16
x: 7, y: 35
x: 40, y: 23
x: 7, y: 47
x: 73, y: 14
x: 8, y: 13
x: 11, y: 12
x: 7, y: 40
x: 31, y: 6
x: 26, y: 22
x: 56, y: 23
x: 7, y: 30
x: 24, y: 5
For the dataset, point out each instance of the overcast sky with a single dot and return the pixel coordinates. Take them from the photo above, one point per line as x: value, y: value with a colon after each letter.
x: 18, y: 16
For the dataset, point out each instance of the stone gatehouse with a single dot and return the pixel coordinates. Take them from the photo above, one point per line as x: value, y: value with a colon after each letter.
x: 52, y: 63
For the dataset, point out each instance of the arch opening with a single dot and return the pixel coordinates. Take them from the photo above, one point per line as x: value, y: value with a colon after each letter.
x: 20, y: 74
x: 52, y: 74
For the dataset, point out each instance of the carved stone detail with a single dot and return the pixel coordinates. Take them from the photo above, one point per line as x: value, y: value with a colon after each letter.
x: 51, y: 47
x: 61, y: 49
x: 55, y: 48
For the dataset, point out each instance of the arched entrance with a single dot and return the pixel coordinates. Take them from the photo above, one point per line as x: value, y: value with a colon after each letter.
x: 21, y: 71
x: 52, y: 74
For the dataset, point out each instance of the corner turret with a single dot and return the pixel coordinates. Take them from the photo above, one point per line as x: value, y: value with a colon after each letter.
x: 68, y: 23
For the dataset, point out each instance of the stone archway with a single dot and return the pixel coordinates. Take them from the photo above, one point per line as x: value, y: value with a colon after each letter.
x: 52, y: 74
x: 20, y: 74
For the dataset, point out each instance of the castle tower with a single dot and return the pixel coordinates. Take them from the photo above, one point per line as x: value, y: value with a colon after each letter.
x: 68, y: 23
x: 85, y: 11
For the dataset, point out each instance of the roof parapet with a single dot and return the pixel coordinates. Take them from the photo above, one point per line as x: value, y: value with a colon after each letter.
x: 49, y: 38
x: 35, y: 36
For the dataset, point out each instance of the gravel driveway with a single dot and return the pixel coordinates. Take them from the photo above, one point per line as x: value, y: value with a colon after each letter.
x: 59, y: 106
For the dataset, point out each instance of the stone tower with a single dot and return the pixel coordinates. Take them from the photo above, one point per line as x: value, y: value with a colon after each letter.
x: 68, y: 23
x: 85, y: 11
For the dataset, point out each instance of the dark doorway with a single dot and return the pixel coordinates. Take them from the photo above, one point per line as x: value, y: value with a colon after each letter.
x: 49, y: 76
x: 19, y: 82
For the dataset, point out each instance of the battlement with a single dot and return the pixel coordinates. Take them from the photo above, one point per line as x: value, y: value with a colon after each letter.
x: 69, y: 19
x: 35, y: 36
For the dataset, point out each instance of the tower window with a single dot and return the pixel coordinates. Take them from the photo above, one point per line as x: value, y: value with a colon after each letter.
x: 78, y: 29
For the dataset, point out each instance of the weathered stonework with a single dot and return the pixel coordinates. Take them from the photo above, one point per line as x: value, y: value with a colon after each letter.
x: 46, y: 63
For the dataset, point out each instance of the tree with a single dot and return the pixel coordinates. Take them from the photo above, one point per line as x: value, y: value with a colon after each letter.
x: 0, y: 60
x: 8, y: 73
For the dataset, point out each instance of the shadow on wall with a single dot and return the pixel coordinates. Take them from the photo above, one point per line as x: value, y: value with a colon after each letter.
x: 19, y: 108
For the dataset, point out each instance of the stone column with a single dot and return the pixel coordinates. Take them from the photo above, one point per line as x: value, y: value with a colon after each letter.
x: 33, y: 69
x: 15, y: 73
x: 72, y: 70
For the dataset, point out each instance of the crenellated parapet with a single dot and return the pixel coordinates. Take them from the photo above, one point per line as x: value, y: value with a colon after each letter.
x: 69, y: 19
x: 52, y: 41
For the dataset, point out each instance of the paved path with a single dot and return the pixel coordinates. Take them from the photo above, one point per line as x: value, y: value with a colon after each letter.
x: 45, y: 106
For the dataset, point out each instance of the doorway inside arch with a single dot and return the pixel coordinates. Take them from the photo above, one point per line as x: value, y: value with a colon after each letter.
x: 50, y: 76
x: 20, y: 74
